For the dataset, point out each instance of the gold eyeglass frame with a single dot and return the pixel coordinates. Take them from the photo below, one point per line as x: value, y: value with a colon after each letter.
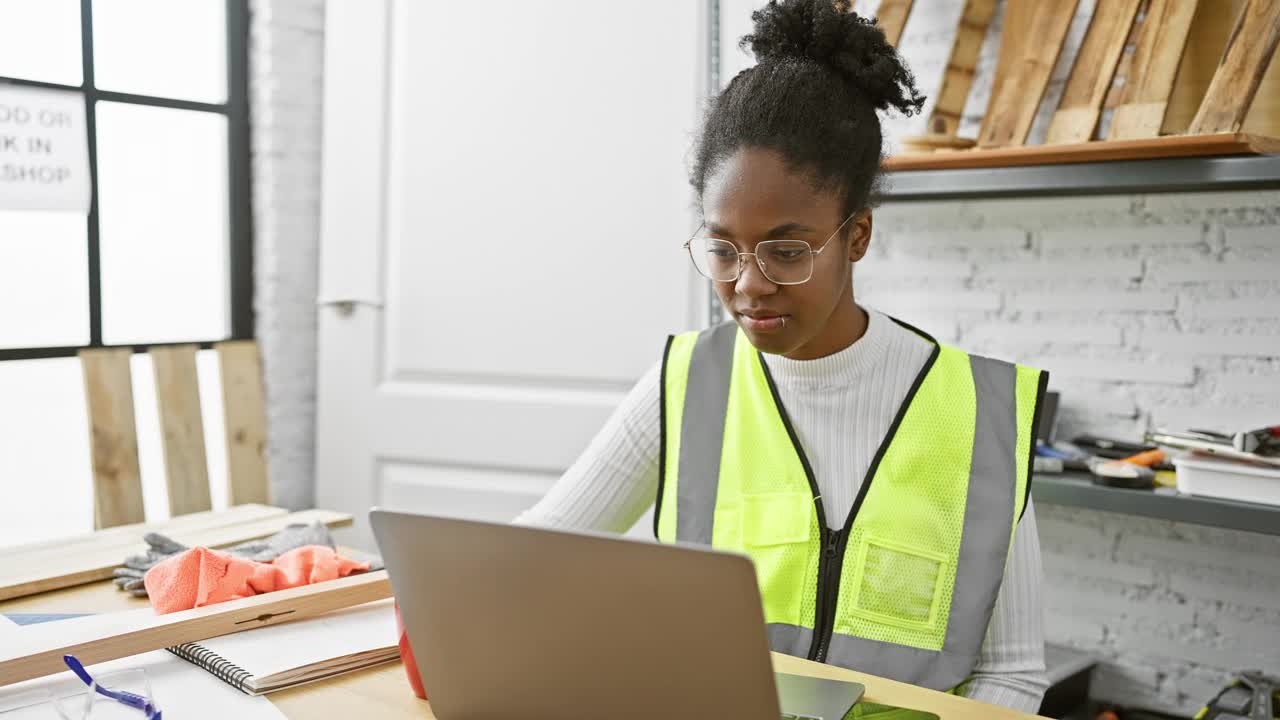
x: 688, y: 247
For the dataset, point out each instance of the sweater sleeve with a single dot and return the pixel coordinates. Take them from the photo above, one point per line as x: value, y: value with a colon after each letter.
x: 612, y: 483
x: 1010, y: 669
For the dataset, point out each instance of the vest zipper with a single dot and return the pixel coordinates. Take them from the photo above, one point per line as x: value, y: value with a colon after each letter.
x: 830, y: 566
x: 836, y: 542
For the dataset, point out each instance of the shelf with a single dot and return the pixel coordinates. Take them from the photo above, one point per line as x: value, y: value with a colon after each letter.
x: 1172, y: 164
x: 1160, y: 148
x: 1078, y: 490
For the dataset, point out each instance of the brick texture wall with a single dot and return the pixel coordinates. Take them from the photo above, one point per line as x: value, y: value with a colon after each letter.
x: 286, y: 57
x: 1157, y: 310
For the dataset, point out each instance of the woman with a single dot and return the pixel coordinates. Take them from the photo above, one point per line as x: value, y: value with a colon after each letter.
x: 877, y: 479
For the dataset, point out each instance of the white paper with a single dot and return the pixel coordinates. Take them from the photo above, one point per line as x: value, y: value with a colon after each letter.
x: 44, y: 150
x: 179, y: 689
x: 279, y: 648
x: 71, y: 630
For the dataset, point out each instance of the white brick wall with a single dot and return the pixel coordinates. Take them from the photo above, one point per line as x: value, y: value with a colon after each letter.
x: 286, y: 53
x: 1147, y: 310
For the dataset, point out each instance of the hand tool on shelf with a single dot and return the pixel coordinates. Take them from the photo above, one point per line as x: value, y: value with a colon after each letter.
x: 1252, y: 696
x: 1263, y: 441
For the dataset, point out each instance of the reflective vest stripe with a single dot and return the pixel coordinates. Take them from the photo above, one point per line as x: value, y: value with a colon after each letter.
x: 702, y: 431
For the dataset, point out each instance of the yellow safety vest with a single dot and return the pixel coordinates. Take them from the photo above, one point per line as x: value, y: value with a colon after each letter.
x: 905, y: 588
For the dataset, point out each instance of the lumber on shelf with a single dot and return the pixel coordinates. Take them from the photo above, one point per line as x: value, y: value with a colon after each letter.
x: 1250, y: 49
x: 962, y: 63
x: 1099, y: 151
x: 1145, y: 98
x: 1092, y: 72
x: 1022, y: 73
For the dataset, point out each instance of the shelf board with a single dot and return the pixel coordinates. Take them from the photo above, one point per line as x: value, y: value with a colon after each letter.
x: 1256, y: 172
x: 1098, y: 151
x: 1098, y: 168
x: 1078, y: 490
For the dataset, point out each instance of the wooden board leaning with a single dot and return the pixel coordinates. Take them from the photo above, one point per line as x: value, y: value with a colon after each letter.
x: 38, y: 650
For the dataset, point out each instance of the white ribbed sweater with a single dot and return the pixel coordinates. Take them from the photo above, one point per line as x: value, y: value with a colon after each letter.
x: 841, y: 407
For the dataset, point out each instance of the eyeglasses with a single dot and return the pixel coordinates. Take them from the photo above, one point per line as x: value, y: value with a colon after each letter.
x: 783, y: 262
x: 133, y: 700
x: 64, y: 700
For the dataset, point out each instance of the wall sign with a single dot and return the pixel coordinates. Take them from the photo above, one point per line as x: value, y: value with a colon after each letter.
x: 44, y: 150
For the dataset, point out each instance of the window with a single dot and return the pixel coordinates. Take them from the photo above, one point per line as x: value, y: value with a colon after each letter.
x: 163, y: 255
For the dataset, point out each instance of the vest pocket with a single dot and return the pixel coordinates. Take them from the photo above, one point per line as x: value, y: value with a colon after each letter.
x: 777, y: 533
x: 776, y: 518
x: 896, y: 584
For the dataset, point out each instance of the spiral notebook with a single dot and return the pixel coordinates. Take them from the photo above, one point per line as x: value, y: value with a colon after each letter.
x: 273, y: 658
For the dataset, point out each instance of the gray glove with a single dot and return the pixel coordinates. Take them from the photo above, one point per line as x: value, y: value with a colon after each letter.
x: 291, y: 537
x: 160, y: 548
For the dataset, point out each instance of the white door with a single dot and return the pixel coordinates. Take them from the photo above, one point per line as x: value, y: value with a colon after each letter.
x: 505, y: 197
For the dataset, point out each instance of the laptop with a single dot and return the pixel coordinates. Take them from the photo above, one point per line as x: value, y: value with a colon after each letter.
x: 509, y: 621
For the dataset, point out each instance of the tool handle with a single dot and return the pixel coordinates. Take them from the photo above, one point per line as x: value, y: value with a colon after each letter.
x: 1146, y: 459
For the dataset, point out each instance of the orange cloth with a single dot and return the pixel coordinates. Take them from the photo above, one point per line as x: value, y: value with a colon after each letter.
x: 201, y: 576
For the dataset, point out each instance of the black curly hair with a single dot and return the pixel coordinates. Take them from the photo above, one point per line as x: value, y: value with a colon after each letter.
x: 822, y: 72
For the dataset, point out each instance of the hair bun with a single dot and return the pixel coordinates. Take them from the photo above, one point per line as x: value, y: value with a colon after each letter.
x: 828, y: 33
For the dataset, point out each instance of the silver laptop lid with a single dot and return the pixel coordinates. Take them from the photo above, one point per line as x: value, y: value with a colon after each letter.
x: 510, y: 621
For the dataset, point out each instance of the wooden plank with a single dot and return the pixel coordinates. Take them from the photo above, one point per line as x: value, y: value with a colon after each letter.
x: 1264, y: 114
x: 1115, y: 93
x: 223, y: 536
x: 899, y: 694
x: 125, y: 543
x: 244, y: 412
x: 1077, y: 115
x: 181, y: 428
x: 1013, y: 109
x: 1145, y: 149
x: 28, y: 574
x: 961, y: 66
x: 131, y: 535
x: 113, y: 437
x: 1014, y: 15
x: 1155, y: 63
x: 1206, y: 41
x: 378, y: 692
x: 892, y: 16
x: 38, y: 650
x: 101, y: 596
x: 56, y: 568
x: 935, y: 143
x: 1235, y: 83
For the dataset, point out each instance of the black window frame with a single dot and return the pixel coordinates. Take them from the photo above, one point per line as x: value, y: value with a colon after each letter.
x: 239, y: 195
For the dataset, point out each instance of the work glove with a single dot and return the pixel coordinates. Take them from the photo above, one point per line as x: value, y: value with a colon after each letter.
x: 161, y: 547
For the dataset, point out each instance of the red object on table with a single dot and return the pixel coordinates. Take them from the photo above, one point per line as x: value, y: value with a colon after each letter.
x: 406, y: 656
x: 200, y: 576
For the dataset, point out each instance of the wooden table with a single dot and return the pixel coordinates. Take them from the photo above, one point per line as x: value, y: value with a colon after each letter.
x: 383, y: 691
